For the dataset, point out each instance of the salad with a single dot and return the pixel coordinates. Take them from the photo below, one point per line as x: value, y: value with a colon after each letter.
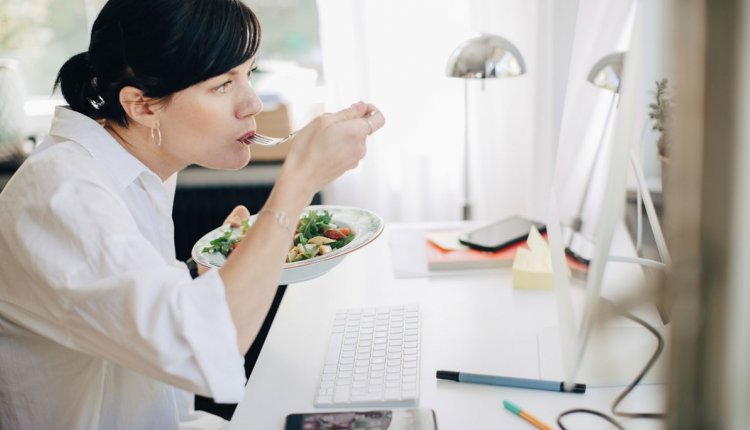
x: 316, y: 234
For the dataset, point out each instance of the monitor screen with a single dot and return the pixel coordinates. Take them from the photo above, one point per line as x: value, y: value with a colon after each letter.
x: 599, y: 126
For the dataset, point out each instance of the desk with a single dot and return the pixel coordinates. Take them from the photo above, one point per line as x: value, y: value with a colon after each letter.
x: 473, y: 323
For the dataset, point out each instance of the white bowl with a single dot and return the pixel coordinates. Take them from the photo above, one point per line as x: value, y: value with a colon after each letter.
x: 366, y: 226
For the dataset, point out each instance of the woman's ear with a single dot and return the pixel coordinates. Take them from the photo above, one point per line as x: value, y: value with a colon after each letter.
x: 139, y: 108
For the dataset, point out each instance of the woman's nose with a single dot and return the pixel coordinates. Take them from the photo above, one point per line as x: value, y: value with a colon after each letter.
x: 250, y: 104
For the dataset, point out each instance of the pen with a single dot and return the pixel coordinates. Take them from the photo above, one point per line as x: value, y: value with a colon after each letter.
x: 506, y: 381
x: 525, y: 415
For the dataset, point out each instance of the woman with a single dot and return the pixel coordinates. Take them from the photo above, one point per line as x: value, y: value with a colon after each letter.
x: 100, y: 326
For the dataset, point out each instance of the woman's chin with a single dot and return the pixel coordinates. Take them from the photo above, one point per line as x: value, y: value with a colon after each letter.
x: 240, y: 165
x: 234, y: 163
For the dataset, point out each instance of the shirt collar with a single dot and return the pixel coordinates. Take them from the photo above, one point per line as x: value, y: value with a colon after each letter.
x: 71, y: 125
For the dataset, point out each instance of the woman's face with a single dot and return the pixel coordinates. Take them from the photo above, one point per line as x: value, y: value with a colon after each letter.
x: 204, y: 124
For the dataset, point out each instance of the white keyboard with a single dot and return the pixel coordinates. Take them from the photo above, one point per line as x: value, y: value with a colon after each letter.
x: 372, y: 359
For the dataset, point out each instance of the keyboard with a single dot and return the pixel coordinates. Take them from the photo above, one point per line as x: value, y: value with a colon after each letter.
x: 372, y: 358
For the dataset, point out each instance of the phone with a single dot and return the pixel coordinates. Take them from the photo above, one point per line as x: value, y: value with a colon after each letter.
x: 395, y: 419
x: 499, y: 234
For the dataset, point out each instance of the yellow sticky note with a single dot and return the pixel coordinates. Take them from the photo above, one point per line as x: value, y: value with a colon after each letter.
x: 532, y: 267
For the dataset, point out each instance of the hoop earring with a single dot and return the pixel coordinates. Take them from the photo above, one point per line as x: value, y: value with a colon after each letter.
x: 156, y: 140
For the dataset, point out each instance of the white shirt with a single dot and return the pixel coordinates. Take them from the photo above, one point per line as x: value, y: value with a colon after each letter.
x: 100, y: 325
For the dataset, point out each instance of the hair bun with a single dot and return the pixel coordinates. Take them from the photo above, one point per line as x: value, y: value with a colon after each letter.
x: 77, y: 83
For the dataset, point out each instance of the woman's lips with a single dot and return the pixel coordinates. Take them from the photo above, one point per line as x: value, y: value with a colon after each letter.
x: 247, y: 138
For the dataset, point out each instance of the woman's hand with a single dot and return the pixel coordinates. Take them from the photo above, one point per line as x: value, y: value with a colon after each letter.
x: 238, y: 214
x: 329, y: 146
x: 234, y: 219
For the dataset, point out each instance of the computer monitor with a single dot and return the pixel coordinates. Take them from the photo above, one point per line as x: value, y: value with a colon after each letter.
x: 582, y: 348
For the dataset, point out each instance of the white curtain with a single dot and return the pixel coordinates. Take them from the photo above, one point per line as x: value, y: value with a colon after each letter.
x: 394, y: 54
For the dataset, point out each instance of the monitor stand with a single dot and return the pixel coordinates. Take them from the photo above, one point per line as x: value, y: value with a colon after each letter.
x: 614, y: 356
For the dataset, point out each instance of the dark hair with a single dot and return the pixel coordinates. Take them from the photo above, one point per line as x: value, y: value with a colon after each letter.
x: 158, y: 46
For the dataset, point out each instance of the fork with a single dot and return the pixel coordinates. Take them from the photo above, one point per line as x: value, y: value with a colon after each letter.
x: 262, y: 140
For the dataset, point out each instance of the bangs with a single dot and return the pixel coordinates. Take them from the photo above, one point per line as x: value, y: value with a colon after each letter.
x: 216, y: 36
x: 233, y: 42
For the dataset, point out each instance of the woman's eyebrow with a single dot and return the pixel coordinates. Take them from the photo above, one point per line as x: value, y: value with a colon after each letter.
x: 236, y: 70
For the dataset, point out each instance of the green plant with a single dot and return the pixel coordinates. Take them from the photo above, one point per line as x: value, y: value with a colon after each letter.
x: 659, y: 112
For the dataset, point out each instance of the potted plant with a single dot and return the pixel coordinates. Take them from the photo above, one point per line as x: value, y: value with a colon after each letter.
x: 659, y: 112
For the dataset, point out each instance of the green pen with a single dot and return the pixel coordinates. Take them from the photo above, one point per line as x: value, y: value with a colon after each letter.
x: 525, y: 415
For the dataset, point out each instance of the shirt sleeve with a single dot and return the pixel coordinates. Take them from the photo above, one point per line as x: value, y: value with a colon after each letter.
x: 93, y: 282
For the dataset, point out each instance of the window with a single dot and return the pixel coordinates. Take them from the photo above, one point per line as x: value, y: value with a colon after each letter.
x: 289, y: 31
x: 43, y: 34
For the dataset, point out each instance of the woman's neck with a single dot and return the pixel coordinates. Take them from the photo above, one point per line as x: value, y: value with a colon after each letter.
x: 136, y: 139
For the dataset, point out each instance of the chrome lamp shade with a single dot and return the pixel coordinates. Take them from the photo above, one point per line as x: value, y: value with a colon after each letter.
x: 485, y: 56
x: 607, y: 71
x: 605, y: 74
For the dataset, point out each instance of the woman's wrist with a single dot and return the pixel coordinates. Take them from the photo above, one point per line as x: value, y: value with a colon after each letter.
x: 281, y: 219
x: 291, y: 190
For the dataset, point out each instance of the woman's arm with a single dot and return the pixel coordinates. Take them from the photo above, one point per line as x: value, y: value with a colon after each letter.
x: 321, y: 152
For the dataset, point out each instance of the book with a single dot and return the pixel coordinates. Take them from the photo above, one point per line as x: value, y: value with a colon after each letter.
x: 444, y: 253
x: 577, y: 268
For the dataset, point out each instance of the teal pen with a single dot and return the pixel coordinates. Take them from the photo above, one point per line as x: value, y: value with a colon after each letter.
x: 536, y: 422
x: 506, y: 381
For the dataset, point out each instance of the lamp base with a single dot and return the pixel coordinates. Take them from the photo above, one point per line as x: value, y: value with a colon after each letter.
x: 467, y: 211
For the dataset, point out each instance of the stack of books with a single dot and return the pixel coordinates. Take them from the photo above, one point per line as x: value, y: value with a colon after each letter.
x: 445, y: 252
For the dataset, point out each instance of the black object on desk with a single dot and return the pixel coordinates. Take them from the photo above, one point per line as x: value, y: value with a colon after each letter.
x: 500, y: 234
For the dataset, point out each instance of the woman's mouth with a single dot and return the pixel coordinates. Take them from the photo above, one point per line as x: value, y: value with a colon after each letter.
x: 247, y: 138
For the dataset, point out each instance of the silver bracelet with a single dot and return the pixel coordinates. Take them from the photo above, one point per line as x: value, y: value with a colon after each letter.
x: 280, y: 217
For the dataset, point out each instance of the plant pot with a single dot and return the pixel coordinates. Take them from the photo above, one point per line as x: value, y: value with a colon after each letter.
x: 666, y: 166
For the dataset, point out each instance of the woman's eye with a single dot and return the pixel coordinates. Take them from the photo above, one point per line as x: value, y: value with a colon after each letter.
x: 250, y: 73
x: 223, y: 88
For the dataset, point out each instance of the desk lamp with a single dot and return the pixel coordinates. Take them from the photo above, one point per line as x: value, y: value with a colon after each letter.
x: 605, y: 74
x: 485, y: 56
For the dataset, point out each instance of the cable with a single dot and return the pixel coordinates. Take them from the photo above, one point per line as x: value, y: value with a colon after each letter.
x: 649, y: 365
x: 637, y: 260
x: 631, y: 386
x: 587, y: 411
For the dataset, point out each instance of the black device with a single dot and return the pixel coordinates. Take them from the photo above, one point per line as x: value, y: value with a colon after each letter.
x: 395, y: 419
x: 499, y: 234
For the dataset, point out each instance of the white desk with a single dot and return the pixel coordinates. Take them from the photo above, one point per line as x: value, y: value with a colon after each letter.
x: 473, y: 323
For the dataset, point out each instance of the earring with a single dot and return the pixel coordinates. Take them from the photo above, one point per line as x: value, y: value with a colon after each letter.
x: 156, y: 140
